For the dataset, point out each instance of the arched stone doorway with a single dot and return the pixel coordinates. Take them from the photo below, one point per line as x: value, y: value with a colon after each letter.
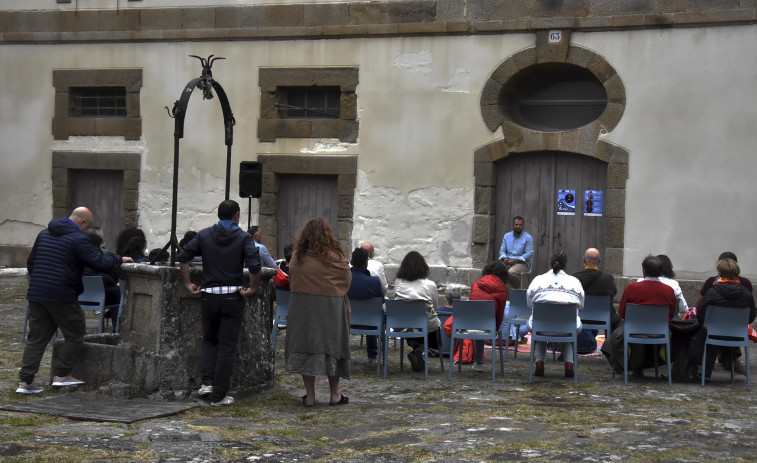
x: 582, y: 141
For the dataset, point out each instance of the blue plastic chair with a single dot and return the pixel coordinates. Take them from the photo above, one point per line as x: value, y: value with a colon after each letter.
x: 406, y: 315
x: 727, y: 326
x: 596, y: 313
x: 282, y: 311
x: 646, y: 324
x: 517, y: 315
x: 554, y: 323
x: 369, y: 315
x: 93, y: 297
x: 480, y: 317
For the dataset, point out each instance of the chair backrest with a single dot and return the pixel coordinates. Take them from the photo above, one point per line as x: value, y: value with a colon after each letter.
x: 282, y: 303
x: 646, y: 319
x: 367, y: 312
x: 401, y: 313
x: 518, y: 304
x: 474, y: 315
x: 596, y: 309
x: 554, y: 318
x: 731, y: 322
x: 93, y: 297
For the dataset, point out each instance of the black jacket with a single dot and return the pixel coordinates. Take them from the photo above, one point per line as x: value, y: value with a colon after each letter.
x: 57, y: 261
x: 727, y: 295
x: 225, y: 252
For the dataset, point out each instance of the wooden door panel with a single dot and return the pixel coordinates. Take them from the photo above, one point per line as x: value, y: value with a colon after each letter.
x: 101, y: 191
x: 302, y: 197
x: 527, y: 185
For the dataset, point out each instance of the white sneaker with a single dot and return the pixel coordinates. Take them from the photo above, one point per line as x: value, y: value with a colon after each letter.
x: 205, y: 390
x: 739, y: 368
x: 477, y: 367
x: 60, y: 381
x: 228, y: 400
x: 33, y: 388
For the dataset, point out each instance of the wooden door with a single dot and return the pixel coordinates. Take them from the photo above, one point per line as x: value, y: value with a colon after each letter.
x: 527, y: 185
x: 302, y: 197
x: 102, y: 192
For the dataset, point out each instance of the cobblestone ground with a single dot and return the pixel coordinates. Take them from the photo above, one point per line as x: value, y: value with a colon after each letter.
x: 404, y: 418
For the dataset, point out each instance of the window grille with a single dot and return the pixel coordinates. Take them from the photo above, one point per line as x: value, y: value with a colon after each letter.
x: 309, y: 102
x: 98, y: 101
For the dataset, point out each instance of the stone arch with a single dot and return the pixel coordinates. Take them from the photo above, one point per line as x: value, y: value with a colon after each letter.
x: 583, y: 140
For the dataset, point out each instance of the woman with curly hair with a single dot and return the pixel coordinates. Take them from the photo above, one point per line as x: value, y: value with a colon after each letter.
x: 318, y: 327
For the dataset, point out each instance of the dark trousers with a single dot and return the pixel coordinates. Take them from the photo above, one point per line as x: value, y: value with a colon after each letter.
x: 221, y: 325
x: 371, y: 346
x: 44, y: 320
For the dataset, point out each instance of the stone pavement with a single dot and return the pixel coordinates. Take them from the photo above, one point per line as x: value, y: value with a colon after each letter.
x: 404, y: 418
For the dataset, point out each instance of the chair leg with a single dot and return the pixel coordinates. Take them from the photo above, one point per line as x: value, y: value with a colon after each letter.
x: 670, y: 366
x: 379, y: 350
x: 531, y: 368
x: 402, y: 354
x: 575, y: 363
x: 625, y: 360
x: 748, y: 372
x: 451, y: 355
x: 439, y: 343
x: 386, y: 352
x: 425, y: 352
x: 704, y: 361
x: 494, y: 363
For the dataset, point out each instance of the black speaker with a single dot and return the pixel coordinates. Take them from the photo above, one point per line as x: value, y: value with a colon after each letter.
x: 250, y: 179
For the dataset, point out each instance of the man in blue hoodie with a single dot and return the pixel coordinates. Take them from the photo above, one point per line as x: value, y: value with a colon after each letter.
x: 225, y: 249
x: 55, y: 265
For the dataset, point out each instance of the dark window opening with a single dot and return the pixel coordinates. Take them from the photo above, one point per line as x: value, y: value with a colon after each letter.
x: 552, y: 97
x: 98, y: 101
x: 309, y: 102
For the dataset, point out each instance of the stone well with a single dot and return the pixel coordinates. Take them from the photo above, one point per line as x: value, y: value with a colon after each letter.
x: 159, y: 350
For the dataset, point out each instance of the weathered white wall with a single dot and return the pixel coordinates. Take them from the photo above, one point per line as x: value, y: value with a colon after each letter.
x: 690, y: 128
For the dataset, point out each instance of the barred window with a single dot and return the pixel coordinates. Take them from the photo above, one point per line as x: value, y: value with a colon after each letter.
x: 98, y: 101
x: 309, y: 102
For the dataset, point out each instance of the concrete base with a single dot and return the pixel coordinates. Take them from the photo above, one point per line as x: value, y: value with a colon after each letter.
x: 159, y: 350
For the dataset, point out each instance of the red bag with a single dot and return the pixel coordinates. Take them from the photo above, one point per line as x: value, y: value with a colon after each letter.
x: 281, y: 279
x: 468, y: 356
x: 752, y: 334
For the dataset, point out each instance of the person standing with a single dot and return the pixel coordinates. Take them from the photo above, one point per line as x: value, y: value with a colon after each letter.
x: 516, y: 252
x: 56, y: 264
x: 225, y: 249
x: 318, y: 325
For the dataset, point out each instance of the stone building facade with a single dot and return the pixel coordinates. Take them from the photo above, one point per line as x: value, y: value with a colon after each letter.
x: 424, y: 131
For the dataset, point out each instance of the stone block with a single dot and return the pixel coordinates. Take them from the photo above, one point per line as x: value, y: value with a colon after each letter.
x: 492, y: 115
x: 283, y: 15
x: 345, y: 206
x: 59, y: 176
x: 198, y: 18
x: 580, y: 56
x: 672, y: 6
x: 271, y: 129
x: 344, y: 232
x: 512, y: 135
x: 713, y: 5
x: 270, y: 183
x: 615, y: 202
x: 411, y: 11
x: 430, y: 28
x: 483, y: 173
x: 626, y: 7
x: 616, y: 91
x: 131, y: 179
x: 268, y: 204
x: 611, y: 115
x: 348, y: 106
x: 613, y: 261
x: 317, y: 165
x: 121, y: 20
x: 43, y: 21
x: 617, y: 174
x: 483, y: 228
x: 490, y: 93
x: 594, y: 23
x: 450, y: 10
x: 505, y: 71
x: 659, y: 20
x: 615, y: 232
x: 235, y: 17
x: 714, y: 17
x: 481, y: 254
x: 525, y: 58
x: 559, y: 8
x: 627, y: 21
x: 346, y: 184
x: 62, y: 197
x: 561, y: 23
x: 326, y: 15
x: 482, y: 154
x: 550, y: 140
x: 552, y: 52
x: 603, y: 150
x: 131, y: 200
x: 483, y: 10
x: 269, y: 224
x: 619, y: 156
x: 587, y: 138
x: 483, y: 199
x: 160, y: 18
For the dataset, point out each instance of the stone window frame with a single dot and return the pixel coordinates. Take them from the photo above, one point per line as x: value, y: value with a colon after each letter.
x: 273, y: 165
x: 584, y: 140
x: 271, y: 126
x: 64, y: 126
x: 65, y: 161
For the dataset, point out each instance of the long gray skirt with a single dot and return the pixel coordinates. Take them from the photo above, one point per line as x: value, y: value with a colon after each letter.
x: 318, y: 336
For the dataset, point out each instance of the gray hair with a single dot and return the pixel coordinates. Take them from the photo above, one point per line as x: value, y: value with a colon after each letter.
x: 454, y: 291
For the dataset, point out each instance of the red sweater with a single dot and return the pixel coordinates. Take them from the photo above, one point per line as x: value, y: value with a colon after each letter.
x: 491, y: 288
x: 650, y: 292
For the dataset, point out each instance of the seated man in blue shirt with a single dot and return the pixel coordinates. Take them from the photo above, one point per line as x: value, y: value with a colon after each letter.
x: 516, y: 252
x: 365, y: 286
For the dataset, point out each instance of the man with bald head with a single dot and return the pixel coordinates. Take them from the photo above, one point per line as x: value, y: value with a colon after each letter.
x: 55, y: 265
x: 375, y: 267
x: 598, y: 283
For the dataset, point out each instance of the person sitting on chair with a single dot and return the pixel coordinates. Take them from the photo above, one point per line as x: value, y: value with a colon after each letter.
x: 516, y: 252
x: 365, y: 286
